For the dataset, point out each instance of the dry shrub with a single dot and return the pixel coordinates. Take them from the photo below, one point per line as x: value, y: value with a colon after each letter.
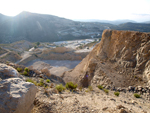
x: 46, y: 72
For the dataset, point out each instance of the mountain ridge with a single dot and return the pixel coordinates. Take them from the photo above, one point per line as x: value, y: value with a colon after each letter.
x: 48, y: 28
x: 114, y: 22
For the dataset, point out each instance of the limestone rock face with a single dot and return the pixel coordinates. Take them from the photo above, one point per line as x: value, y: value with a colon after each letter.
x: 128, y: 49
x: 16, y: 96
x: 7, y: 71
x: 115, y: 60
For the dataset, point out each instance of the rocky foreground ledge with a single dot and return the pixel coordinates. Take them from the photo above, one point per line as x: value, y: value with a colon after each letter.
x: 16, y: 95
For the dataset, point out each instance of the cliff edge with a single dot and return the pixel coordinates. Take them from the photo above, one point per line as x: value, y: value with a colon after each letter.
x: 121, y: 59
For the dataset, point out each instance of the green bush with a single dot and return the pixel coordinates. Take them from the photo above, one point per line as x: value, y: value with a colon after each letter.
x: 70, y: 85
x: 100, y: 87
x: 19, y: 69
x: 48, y: 80
x: 60, y: 88
x: 25, y: 73
x: 106, y: 91
x: 32, y: 81
x: 137, y: 95
x: 26, y: 69
x: 116, y: 93
x: 41, y: 83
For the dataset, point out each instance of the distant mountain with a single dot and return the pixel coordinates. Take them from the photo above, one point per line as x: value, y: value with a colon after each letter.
x: 142, y: 27
x: 39, y: 27
x: 115, y: 22
x: 147, y: 22
x: 48, y: 28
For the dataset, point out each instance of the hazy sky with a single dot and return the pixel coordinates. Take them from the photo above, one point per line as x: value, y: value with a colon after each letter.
x: 138, y: 10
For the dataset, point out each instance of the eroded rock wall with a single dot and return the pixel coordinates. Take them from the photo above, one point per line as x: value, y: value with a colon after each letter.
x: 117, y: 60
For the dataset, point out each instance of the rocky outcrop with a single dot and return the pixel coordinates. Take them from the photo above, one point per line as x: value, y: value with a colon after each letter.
x: 120, y: 59
x: 7, y: 72
x: 16, y: 96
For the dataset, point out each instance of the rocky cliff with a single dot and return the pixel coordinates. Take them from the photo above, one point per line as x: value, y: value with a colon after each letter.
x: 122, y: 58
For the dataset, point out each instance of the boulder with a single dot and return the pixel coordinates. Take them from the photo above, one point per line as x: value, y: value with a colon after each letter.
x: 16, y: 96
x: 8, y: 72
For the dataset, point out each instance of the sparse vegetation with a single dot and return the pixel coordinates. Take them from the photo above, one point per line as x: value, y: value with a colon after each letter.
x: 25, y: 73
x: 87, y: 90
x: 116, y: 93
x: 37, y: 43
x: 32, y: 81
x: 35, y: 47
x: 90, y: 88
x: 26, y: 69
x: 48, y: 80
x: 137, y: 95
x: 19, y: 69
x: 71, y: 85
x: 106, y: 91
x: 41, y: 83
x: 80, y: 88
x: 60, y: 88
x: 100, y: 87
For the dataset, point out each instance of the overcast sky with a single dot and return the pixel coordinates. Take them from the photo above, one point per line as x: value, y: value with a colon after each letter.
x: 138, y: 10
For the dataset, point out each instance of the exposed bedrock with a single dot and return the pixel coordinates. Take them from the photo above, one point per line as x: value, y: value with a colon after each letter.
x: 122, y: 58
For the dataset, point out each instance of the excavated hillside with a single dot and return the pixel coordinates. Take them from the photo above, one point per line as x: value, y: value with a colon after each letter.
x: 121, y: 59
x: 11, y: 56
